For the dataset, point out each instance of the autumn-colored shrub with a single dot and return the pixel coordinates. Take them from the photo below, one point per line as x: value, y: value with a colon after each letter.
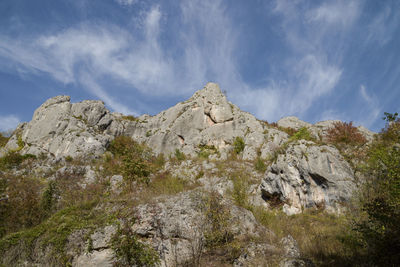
x: 343, y: 133
x: 20, y: 203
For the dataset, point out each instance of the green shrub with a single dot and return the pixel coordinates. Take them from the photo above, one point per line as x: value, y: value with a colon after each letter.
x: 129, y: 251
x: 239, y: 192
x: 217, y: 217
x: 179, y: 155
x: 14, y: 159
x: 260, y: 165
x: 131, y: 159
x: 238, y: 145
x: 206, y: 151
x: 376, y: 225
x: 302, y: 134
x: 3, y: 140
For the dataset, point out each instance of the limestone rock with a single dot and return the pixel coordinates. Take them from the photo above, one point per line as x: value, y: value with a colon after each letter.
x: 176, y: 226
x: 308, y: 176
x: 62, y: 129
x: 292, y: 122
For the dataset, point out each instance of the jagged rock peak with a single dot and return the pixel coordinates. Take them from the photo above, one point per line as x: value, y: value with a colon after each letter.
x: 210, y: 92
x: 56, y: 100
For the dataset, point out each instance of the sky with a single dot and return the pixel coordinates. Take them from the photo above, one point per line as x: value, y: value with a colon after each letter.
x: 316, y: 60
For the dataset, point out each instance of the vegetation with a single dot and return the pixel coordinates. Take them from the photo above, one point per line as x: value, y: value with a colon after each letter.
x: 376, y: 225
x: 302, y: 134
x: 238, y: 145
x: 129, y: 251
x: 206, y: 151
x: 131, y: 159
x: 179, y: 155
x: 343, y: 133
x: 260, y: 165
x: 3, y: 140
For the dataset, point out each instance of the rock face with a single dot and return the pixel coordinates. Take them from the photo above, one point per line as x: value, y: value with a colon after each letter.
x: 61, y: 129
x: 308, y: 176
x: 176, y: 227
x: 207, y: 118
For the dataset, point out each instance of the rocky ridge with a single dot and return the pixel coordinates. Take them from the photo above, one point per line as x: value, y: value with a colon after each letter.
x: 300, y: 173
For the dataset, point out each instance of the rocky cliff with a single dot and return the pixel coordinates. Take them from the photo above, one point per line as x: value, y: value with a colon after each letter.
x: 298, y: 169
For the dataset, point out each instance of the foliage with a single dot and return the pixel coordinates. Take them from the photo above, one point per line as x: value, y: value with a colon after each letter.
x: 130, y: 118
x: 206, y: 151
x: 377, y: 224
x: 238, y: 145
x: 390, y: 117
x: 302, y: 134
x: 131, y: 159
x: 21, y: 208
x: 239, y: 192
x: 54, y: 232
x: 320, y: 236
x: 3, y: 140
x: 343, y: 133
x: 260, y: 165
x: 13, y: 159
x: 129, y: 251
x: 179, y: 155
x: 217, y: 216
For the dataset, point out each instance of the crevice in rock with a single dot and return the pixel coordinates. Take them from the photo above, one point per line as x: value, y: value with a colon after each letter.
x: 319, y: 180
x: 273, y: 199
x: 210, y: 119
x: 181, y: 139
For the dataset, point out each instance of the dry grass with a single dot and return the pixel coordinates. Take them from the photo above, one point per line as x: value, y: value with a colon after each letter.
x: 320, y: 236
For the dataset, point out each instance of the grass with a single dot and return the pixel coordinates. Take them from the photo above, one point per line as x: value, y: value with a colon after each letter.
x: 54, y: 232
x: 321, y: 237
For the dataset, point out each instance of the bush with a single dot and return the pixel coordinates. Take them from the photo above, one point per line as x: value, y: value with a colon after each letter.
x: 343, y: 133
x: 302, y: 134
x: 260, y: 165
x: 13, y: 160
x: 377, y: 225
x: 129, y: 251
x: 239, y: 193
x: 179, y: 155
x: 238, y: 145
x: 3, y: 140
x: 21, y: 208
x: 217, y: 217
x: 131, y: 159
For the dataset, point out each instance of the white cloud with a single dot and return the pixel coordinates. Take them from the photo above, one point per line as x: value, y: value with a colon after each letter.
x: 126, y: 2
x: 8, y: 122
x: 206, y: 41
x: 342, y: 12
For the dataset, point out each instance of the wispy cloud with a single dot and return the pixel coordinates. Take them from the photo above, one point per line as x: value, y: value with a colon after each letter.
x: 372, y: 107
x: 8, y: 122
x: 383, y: 26
x: 126, y: 2
x: 342, y: 12
x: 206, y: 40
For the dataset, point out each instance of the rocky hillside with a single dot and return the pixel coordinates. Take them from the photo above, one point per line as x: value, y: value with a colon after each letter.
x: 199, y: 184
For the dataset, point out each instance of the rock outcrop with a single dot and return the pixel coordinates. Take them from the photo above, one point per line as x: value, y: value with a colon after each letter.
x: 309, y: 176
x: 60, y: 128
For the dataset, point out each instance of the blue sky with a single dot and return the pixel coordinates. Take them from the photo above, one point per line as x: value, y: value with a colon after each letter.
x: 316, y: 60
